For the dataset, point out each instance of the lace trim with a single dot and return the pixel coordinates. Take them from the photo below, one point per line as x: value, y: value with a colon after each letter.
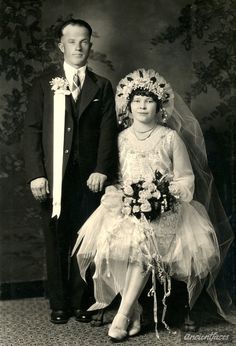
x: 162, y: 134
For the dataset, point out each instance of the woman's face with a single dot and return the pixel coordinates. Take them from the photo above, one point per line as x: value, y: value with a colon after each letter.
x: 143, y: 109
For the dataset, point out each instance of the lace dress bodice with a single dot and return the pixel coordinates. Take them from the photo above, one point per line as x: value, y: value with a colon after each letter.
x: 163, y: 151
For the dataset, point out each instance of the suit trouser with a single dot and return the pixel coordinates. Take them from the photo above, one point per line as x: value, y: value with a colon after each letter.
x: 66, y: 288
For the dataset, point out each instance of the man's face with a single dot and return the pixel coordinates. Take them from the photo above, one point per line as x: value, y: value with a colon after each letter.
x: 75, y: 45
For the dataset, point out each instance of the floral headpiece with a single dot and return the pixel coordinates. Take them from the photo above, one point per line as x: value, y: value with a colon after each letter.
x: 147, y: 80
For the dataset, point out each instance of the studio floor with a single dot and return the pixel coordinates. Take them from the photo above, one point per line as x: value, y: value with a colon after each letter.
x: 26, y: 322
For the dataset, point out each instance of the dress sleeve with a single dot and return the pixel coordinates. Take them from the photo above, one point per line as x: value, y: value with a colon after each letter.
x: 121, y: 153
x: 183, y: 177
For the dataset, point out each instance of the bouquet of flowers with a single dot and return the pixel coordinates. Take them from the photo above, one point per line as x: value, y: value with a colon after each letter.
x: 148, y: 198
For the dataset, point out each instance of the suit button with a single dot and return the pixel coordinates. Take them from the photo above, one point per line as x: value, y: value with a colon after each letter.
x: 68, y: 129
x: 66, y: 151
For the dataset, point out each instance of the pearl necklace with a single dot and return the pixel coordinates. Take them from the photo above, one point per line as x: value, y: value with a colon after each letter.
x: 149, y: 135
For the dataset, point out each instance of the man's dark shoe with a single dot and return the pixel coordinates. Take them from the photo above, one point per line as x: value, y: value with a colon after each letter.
x: 59, y: 316
x: 83, y: 316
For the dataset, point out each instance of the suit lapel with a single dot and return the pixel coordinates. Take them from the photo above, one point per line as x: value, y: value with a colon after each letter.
x: 89, y: 90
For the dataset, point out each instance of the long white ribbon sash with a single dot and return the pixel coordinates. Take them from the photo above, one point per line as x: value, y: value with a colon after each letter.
x: 58, y: 148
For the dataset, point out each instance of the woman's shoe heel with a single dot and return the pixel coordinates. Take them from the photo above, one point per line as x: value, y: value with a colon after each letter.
x: 135, y: 323
x: 189, y: 325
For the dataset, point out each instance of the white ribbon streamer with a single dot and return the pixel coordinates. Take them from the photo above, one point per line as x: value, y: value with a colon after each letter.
x: 58, y: 148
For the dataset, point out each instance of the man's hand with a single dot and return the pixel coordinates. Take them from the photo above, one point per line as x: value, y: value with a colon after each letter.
x: 96, y: 181
x: 39, y: 188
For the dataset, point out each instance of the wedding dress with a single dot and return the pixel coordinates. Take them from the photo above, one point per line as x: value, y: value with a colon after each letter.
x: 183, y: 239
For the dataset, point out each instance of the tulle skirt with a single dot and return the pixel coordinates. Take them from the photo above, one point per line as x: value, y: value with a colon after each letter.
x: 183, y: 240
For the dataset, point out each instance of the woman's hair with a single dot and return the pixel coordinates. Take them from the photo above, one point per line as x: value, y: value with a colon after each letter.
x: 142, y: 92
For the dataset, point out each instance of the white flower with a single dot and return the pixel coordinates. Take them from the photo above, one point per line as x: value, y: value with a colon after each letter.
x: 142, y: 194
x: 136, y: 209
x: 60, y: 86
x: 151, y: 187
x: 148, y: 194
x: 128, y: 190
x: 128, y: 182
x: 135, y: 180
x: 145, y: 207
x: 142, y: 200
x: 145, y: 194
x: 128, y: 201
x: 145, y: 184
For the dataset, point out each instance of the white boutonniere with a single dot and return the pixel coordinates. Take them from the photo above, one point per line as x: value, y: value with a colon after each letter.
x: 60, y: 86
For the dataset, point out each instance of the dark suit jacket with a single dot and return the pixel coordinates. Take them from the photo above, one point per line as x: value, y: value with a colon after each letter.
x: 96, y: 121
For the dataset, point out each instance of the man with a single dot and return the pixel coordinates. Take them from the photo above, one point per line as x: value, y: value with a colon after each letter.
x: 89, y: 159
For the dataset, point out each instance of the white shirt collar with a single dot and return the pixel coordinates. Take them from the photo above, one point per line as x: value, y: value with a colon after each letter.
x: 70, y: 71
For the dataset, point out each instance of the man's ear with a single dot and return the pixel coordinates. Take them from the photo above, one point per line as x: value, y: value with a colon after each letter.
x: 61, y: 47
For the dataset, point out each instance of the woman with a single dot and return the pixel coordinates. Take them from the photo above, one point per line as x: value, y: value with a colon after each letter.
x: 149, y: 222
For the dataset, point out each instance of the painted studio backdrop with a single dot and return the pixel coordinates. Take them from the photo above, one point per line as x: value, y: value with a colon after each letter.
x: 191, y: 43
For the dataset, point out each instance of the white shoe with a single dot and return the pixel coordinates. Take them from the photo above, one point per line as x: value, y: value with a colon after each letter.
x: 119, y: 326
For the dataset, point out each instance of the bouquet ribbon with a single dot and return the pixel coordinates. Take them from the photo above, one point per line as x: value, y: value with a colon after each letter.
x: 58, y: 148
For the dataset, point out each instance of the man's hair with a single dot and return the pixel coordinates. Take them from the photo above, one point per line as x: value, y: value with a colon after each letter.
x: 75, y: 22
